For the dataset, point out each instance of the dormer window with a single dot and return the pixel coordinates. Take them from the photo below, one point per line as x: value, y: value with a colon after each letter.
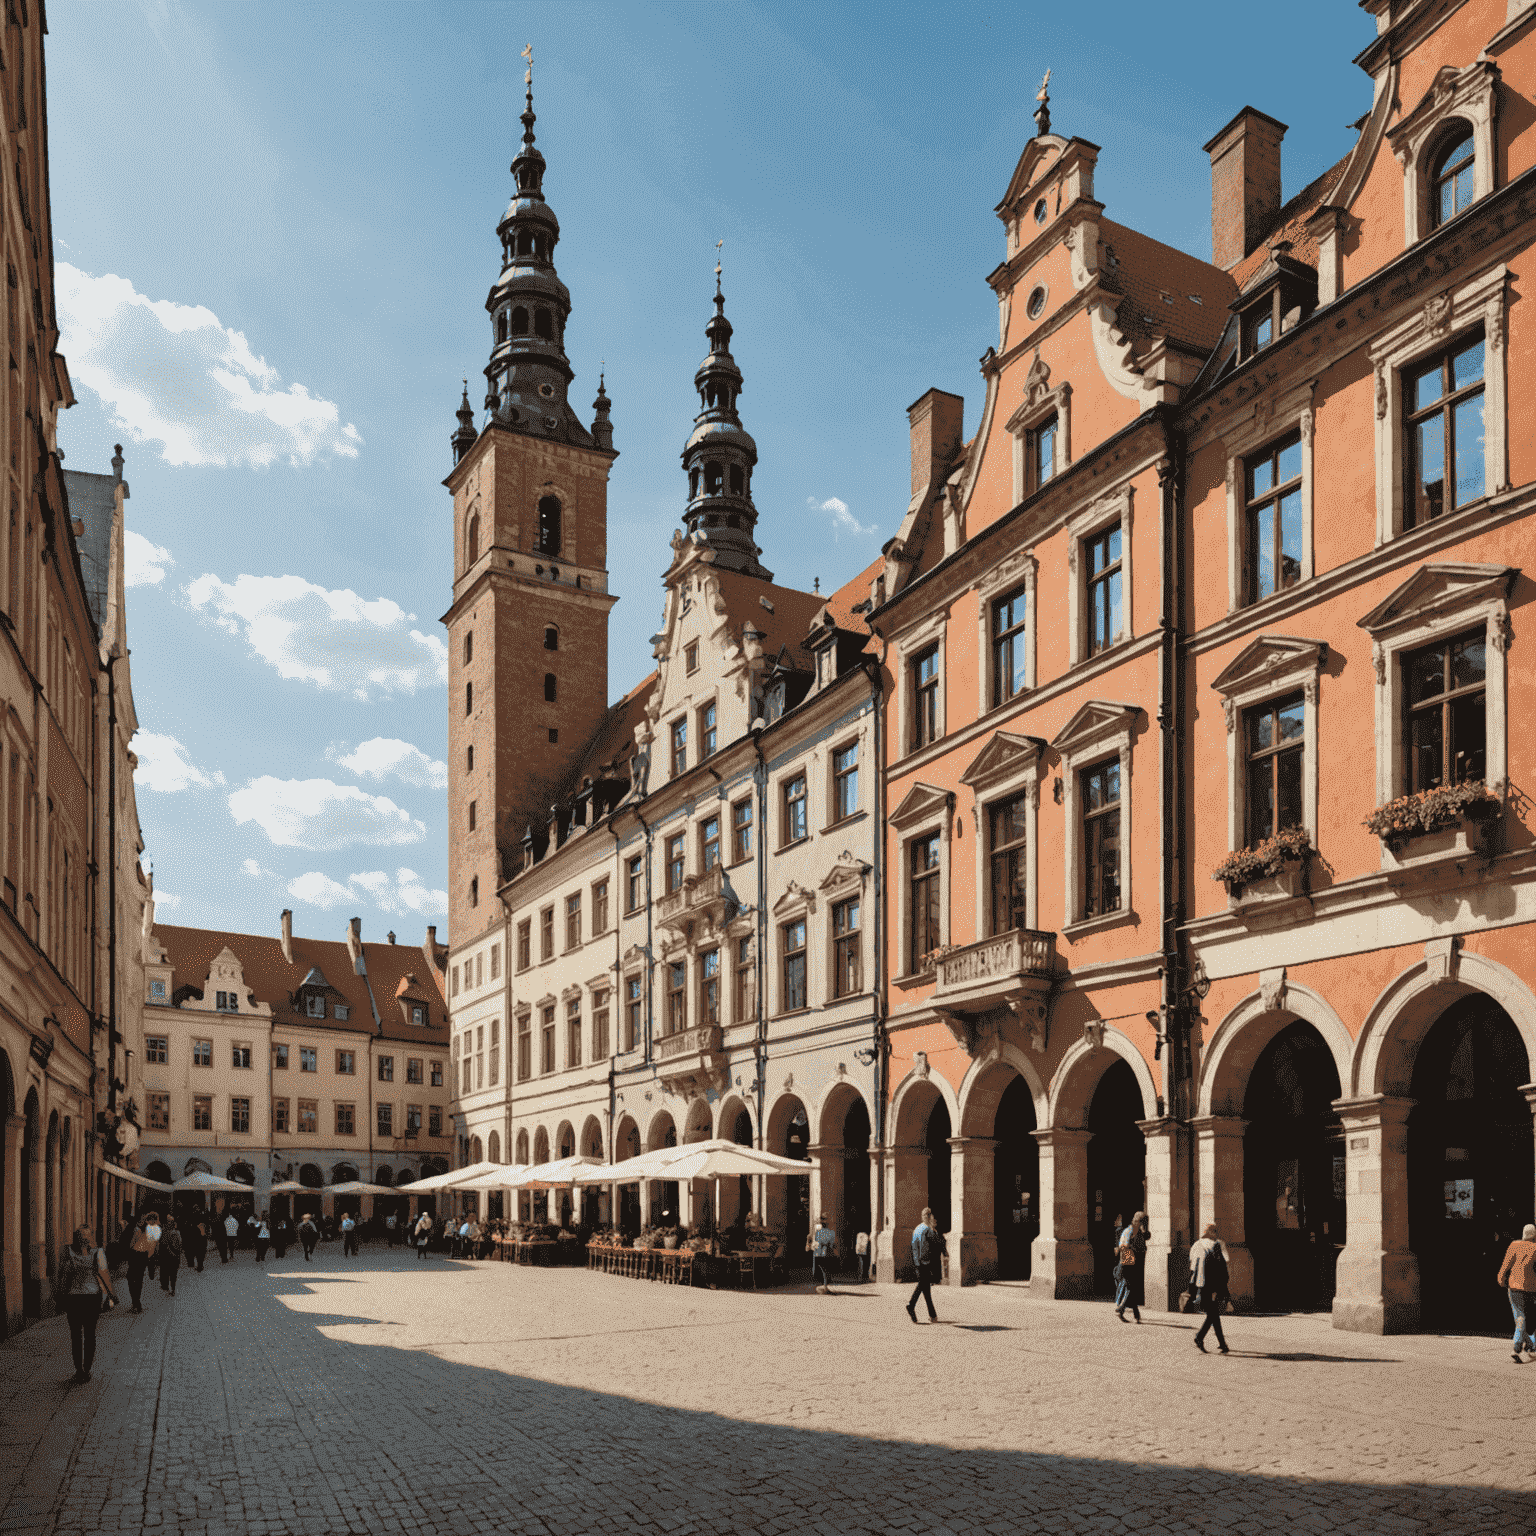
x: 315, y: 1007
x: 1282, y: 301
x: 343, y: 1012
x: 227, y: 1002
x: 157, y: 991
x: 1451, y: 177
x: 418, y: 1015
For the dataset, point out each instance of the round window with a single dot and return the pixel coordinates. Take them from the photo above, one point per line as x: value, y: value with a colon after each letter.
x: 1040, y: 211
x: 547, y: 390
x: 1036, y: 305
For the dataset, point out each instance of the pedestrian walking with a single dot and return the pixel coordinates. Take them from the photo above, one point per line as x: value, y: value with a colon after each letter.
x: 423, y: 1234
x: 309, y: 1235
x: 348, y: 1236
x: 83, y: 1288
x: 472, y: 1238
x: 263, y: 1237
x: 1518, y: 1274
x: 282, y: 1237
x: 1131, y: 1268
x: 861, y: 1249
x: 823, y: 1246
x: 392, y: 1228
x: 928, y: 1250
x: 231, y: 1230
x: 1208, y: 1280
x: 169, y: 1256
x: 146, y: 1238
x: 197, y: 1243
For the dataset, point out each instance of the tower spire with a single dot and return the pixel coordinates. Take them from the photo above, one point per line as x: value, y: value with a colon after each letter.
x: 464, y: 437
x: 1043, y: 111
x: 720, y: 455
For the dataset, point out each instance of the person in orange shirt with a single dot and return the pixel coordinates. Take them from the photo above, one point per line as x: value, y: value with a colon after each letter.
x: 1518, y: 1272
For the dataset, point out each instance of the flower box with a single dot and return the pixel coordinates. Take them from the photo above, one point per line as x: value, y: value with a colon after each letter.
x: 1269, y: 870
x: 1285, y: 885
x: 1445, y: 809
x: 1469, y: 838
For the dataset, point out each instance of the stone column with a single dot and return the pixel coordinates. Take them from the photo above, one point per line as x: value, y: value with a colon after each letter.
x: 972, y: 1201
x: 1168, y: 1240
x: 1219, y: 1156
x: 906, y: 1195
x: 1377, y: 1286
x: 1063, y: 1260
x: 15, y: 1129
x: 830, y: 1165
x: 1529, y: 1090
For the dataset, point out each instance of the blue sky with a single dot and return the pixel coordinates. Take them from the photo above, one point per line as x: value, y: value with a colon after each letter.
x: 275, y: 230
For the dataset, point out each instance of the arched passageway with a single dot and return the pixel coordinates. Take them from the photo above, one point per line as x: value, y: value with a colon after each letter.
x: 626, y: 1144
x: 1117, y: 1167
x: 1015, y: 1180
x: 31, y: 1151
x: 1470, y: 1163
x: 663, y: 1204
x: 1293, y: 1172
x: 789, y: 1197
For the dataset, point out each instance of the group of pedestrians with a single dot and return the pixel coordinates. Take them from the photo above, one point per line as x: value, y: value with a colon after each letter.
x: 456, y: 1237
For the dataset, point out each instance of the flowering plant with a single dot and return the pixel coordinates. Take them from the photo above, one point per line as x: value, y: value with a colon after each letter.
x: 1432, y: 810
x: 930, y: 960
x: 1265, y: 858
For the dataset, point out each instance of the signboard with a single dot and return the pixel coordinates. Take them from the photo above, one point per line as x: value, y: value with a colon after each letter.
x: 1458, y: 1199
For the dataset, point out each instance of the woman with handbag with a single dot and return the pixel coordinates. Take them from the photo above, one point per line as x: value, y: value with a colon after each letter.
x: 1131, y: 1268
x: 146, y: 1239
x: 83, y: 1287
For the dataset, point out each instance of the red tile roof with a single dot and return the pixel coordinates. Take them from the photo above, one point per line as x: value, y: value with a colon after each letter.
x: 1167, y: 292
x: 1291, y: 224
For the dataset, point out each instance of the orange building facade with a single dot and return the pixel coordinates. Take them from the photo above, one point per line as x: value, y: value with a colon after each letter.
x: 1208, y: 869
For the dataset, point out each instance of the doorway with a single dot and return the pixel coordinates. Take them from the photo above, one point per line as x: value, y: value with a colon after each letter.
x: 1117, y: 1167
x: 1015, y: 1181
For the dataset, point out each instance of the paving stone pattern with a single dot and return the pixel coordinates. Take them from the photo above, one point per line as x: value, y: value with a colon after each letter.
x: 388, y: 1394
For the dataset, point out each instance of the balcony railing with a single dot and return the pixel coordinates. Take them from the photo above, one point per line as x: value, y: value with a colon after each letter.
x: 689, y: 1042
x: 1009, y: 956
x: 698, y: 896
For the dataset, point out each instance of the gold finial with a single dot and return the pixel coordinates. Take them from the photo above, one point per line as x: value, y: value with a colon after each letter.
x: 528, y: 56
x: 1042, y: 95
x: 1043, y: 111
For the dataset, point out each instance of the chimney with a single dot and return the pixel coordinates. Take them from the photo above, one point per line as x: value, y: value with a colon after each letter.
x: 1245, y: 184
x: 355, y: 944
x: 429, y: 945
x: 390, y: 935
x: 287, y: 921
x: 934, y: 422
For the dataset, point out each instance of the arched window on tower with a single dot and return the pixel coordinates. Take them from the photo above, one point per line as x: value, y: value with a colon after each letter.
x: 714, y: 479
x: 1451, y: 174
x: 549, y: 525
x: 551, y: 638
x: 472, y: 540
x: 519, y: 321
x: 549, y: 687
x: 501, y: 326
x: 542, y: 326
x: 738, y: 480
x: 693, y: 484
x: 525, y: 243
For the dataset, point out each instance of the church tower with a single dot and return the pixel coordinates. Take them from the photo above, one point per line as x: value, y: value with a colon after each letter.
x: 528, y: 629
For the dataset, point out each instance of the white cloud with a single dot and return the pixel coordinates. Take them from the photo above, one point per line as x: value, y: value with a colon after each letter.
x: 165, y: 766
x: 143, y: 563
x: 843, y: 521
x: 403, y: 892
x: 336, y: 640
x: 317, y: 813
x: 165, y: 902
x: 173, y: 374
x: 386, y: 755
x: 255, y: 871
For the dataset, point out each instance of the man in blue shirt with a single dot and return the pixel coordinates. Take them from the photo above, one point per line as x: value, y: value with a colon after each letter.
x: 928, y: 1248
x: 824, y: 1245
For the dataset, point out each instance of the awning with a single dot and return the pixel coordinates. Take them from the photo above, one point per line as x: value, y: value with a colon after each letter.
x: 716, y: 1159
x: 211, y: 1183
x: 131, y: 1177
x: 453, y: 1180
x: 560, y: 1174
x: 357, y: 1187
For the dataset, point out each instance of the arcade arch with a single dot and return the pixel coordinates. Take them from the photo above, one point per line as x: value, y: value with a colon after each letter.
x: 787, y: 1197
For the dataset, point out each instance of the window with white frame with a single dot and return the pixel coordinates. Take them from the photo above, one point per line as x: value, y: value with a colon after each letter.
x: 845, y: 781
x: 1041, y: 431
x: 1095, y: 749
x: 1005, y: 634
x: 920, y: 683
x: 792, y: 993
x: 1099, y: 549
x: 744, y: 979
x: 847, y: 948
x: 709, y: 987
x: 1004, y: 776
x: 1442, y: 406
x: 921, y: 878
x: 1446, y: 147
x: 677, y: 996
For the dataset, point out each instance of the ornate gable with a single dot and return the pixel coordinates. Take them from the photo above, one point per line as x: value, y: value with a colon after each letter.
x: 1002, y: 757
x: 1097, y: 720
x: 1267, y: 657
x: 1041, y: 152
x: 1436, y: 588
x: 919, y: 803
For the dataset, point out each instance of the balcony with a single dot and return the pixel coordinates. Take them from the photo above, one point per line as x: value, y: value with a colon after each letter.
x: 691, y: 1061
x: 1012, y: 970
x: 705, y: 897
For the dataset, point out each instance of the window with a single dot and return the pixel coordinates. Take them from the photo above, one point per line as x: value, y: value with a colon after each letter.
x: 793, y: 939
x: 573, y: 920
x: 346, y: 1063
x: 240, y: 1115
x: 550, y: 687
x: 691, y: 656
x: 599, y: 1026
x: 547, y: 1040
x: 471, y: 815
x: 794, y: 809
x: 1274, y: 738
x: 1258, y: 328
x: 746, y: 982
x: 437, y: 1074
x: 573, y: 1032
x: 600, y: 907
x: 634, y: 880
x: 386, y: 1119
x: 709, y: 987
x: 308, y: 1059
x: 524, y: 1047
x: 741, y: 831
x: 479, y: 1057
x: 469, y: 698
x: 413, y: 1069
x: 495, y: 964
x: 159, y: 1111
x: 418, y: 1015
x: 1451, y: 179
x: 1274, y: 531
x: 315, y: 1007
x: 386, y: 1069
x: 455, y: 981
x: 227, y: 1002
x: 202, y: 1112
x: 493, y: 1065
x: 280, y: 1116
x: 924, y: 895
x: 709, y: 843
x: 1042, y: 451
x: 551, y: 638
x: 1445, y: 458
x: 469, y: 759
x: 845, y: 781
x: 546, y: 933
x: 1007, y: 825
x: 525, y: 944
x: 467, y: 1071
x: 280, y: 1057
x: 434, y: 1119
x: 679, y: 747
x: 925, y: 697
x: 474, y: 891
x: 634, y: 1016
x: 469, y: 643
x: 346, y: 1120
x: 549, y: 506
x: 707, y: 731
x: 342, y: 1011
x: 157, y: 990
x: 847, y: 956
x: 676, y: 862
x: 1100, y: 790
x: 677, y: 996
x: 202, y: 1053
x: 480, y: 969
x: 155, y: 1050
x: 309, y: 1116
x: 1009, y: 661
x: 1445, y: 731
x: 1102, y: 552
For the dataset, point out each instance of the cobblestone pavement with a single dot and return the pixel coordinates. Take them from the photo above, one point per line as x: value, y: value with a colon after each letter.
x: 388, y: 1394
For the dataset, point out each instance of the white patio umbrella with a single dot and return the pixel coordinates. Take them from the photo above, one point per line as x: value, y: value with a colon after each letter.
x: 450, y: 1180
x: 130, y: 1177
x: 211, y: 1183
x: 358, y: 1187
x: 502, y: 1176
x: 292, y: 1187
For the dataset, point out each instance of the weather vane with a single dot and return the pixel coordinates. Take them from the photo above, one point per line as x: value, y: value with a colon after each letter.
x: 528, y: 55
x: 1043, y: 111
x: 719, y: 246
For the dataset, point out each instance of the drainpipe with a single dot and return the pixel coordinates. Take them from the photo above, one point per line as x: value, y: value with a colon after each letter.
x: 760, y: 1044
x: 650, y: 958
x: 508, y: 1035
x: 616, y: 1007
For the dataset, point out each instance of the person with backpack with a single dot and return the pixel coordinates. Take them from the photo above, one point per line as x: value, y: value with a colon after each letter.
x: 263, y: 1237
x: 1131, y: 1268
x: 83, y: 1287
x: 309, y: 1235
x: 928, y: 1250
x: 1518, y: 1275
x: 146, y: 1238
x: 231, y: 1229
x: 1208, y: 1281
x: 170, y: 1256
x: 823, y: 1246
x: 348, y: 1236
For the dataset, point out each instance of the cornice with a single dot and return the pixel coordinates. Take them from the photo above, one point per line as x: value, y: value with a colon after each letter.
x: 1402, y: 37
x: 501, y: 576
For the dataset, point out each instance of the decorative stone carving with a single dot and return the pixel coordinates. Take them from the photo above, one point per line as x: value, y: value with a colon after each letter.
x: 1272, y: 989
x: 1381, y: 392
x: 920, y: 1064
x: 1093, y: 1033
x: 1442, y: 958
x: 1037, y: 382
x: 1229, y: 709
x: 1500, y: 633
x: 1379, y: 663
x: 1436, y: 317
